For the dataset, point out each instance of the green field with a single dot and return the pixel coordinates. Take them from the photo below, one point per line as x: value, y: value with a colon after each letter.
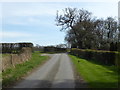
x: 13, y: 74
x: 95, y: 74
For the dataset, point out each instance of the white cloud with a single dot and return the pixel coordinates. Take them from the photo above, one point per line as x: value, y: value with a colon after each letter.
x: 59, y: 1
x: 29, y: 13
x: 29, y: 21
x: 8, y: 34
x: 33, y: 20
x: 23, y: 23
x: 119, y: 12
x: 33, y: 12
x: 0, y: 15
x: 28, y: 9
x: 26, y: 13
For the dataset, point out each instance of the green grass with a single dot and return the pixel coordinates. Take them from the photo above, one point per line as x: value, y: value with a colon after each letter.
x: 0, y: 75
x: 96, y: 75
x: 13, y: 74
x: 4, y: 55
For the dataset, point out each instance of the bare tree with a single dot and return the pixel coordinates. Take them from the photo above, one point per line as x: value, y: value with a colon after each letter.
x: 85, y: 31
x: 69, y: 20
x: 111, y: 29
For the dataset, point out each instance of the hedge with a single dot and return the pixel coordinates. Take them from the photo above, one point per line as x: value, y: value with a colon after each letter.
x: 54, y: 49
x: 14, y: 47
x: 104, y: 57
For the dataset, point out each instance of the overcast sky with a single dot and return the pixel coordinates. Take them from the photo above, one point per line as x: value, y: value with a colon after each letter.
x: 35, y: 21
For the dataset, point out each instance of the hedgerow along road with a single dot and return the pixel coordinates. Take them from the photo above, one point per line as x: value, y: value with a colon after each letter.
x: 55, y: 73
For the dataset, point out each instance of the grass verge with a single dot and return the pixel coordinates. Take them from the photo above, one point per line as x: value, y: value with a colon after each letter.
x: 97, y: 75
x: 4, y: 55
x: 13, y: 74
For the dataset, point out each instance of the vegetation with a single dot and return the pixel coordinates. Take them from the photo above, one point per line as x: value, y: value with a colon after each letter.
x: 54, y: 49
x: 4, y: 55
x: 105, y: 57
x: 14, y: 47
x: 87, y: 32
x: 11, y: 75
x: 97, y: 75
x: 41, y: 48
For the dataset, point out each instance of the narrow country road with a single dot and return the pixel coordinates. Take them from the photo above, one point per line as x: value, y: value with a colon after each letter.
x: 55, y: 73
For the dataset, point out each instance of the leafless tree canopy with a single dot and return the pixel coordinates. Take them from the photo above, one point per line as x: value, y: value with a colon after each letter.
x: 85, y: 31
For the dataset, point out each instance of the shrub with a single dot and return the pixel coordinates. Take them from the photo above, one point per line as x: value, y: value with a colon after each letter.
x: 118, y: 60
x: 104, y: 57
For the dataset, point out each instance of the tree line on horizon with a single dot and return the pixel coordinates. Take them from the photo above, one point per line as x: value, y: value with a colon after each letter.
x: 85, y: 31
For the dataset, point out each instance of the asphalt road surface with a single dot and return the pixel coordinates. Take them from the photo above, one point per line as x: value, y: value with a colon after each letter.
x: 55, y: 73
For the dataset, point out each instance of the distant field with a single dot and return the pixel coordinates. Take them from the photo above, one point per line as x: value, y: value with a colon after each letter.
x: 97, y: 76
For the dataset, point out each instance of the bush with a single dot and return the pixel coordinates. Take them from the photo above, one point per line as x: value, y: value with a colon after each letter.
x: 118, y: 60
x: 118, y: 46
x: 54, y: 49
x: 104, y: 57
